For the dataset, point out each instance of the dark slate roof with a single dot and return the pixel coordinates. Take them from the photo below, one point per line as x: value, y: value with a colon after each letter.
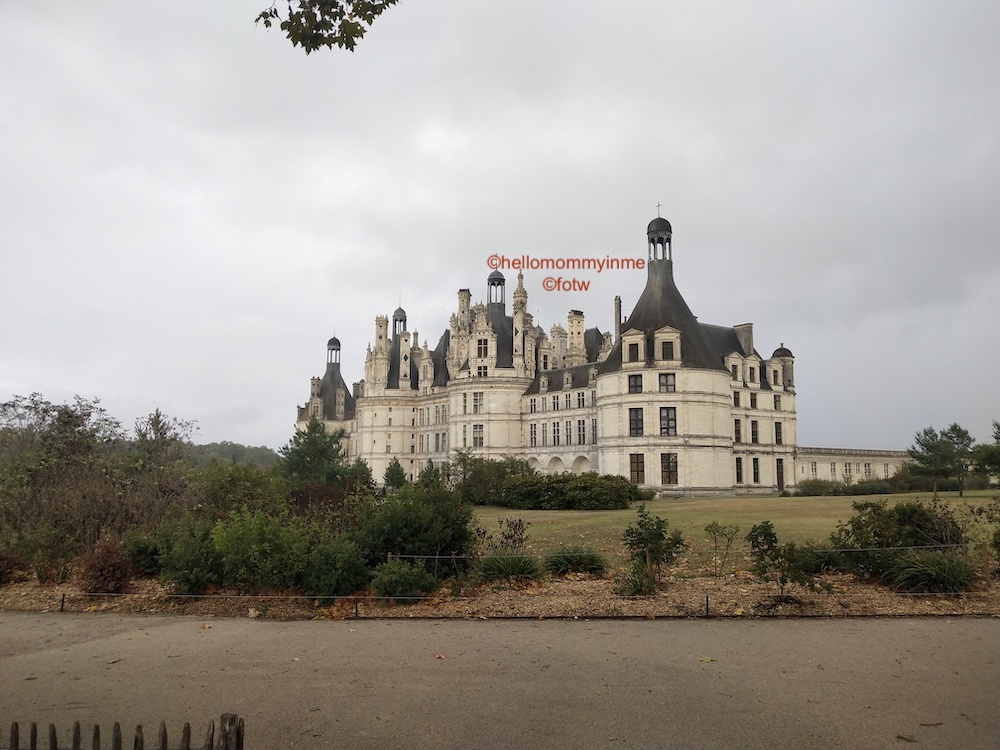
x: 782, y: 351
x: 726, y: 342
x: 660, y: 305
x: 593, y: 339
x: 440, y: 359
x: 580, y: 379
x: 393, y: 379
x: 659, y: 224
x: 503, y: 326
x: 332, y: 380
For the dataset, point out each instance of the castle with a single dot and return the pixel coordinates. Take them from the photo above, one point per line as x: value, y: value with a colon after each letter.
x: 675, y: 405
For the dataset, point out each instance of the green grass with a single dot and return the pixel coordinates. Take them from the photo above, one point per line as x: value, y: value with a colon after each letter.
x: 795, y: 519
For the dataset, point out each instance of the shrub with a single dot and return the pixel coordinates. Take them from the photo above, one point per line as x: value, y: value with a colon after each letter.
x: 516, y: 566
x: 188, y: 556
x: 415, y: 521
x: 261, y: 552
x: 105, y: 569
x: 938, y: 571
x: 401, y: 580
x: 818, y: 488
x: 875, y: 529
x: 588, y: 491
x: 335, y: 568
x: 144, y: 553
x: 779, y: 563
x: 575, y: 559
x: 639, y: 580
x: 511, y: 536
x: 11, y: 561
x: 722, y: 535
x: 51, y: 552
x: 649, y: 542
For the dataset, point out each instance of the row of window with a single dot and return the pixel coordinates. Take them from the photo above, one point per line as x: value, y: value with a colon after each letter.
x: 538, y: 438
x: 857, y: 469
x: 753, y: 400
x: 668, y: 468
x: 755, y: 469
x: 425, y: 415
x: 539, y: 403
x: 667, y: 351
x: 752, y: 374
x: 755, y: 432
x: 668, y: 421
x: 667, y: 382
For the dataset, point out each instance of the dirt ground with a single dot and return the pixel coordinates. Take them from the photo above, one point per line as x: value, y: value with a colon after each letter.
x: 577, y: 596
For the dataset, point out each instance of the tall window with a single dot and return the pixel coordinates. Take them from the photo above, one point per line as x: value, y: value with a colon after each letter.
x: 569, y: 433
x: 477, y: 436
x: 532, y: 405
x: 774, y: 377
x: 533, y: 431
x: 735, y: 372
x: 813, y: 470
x: 668, y: 421
x: 593, y: 431
x: 482, y: 371
x: 868, y: 471
x: 635, y: 422
x: 739, y: 470
x: 465, y: 436
x: 754, y: 434
x: 777, y: 403
x: 668, y: 468
x: 581, y: 399
x: 737, y: 431
x: 477, y: 402
x: 482, y: 347
x: 753, y: 400
x: 633, y: 352
x: 635, y: 383
x: 736, y: 399
x: 753, y: 374
x: 668, y: 350
x: 668, y: 382
x: 465, y: 403
x: 885, y: 469
x: 545, y: 361
x: 847, y: 469
x: 545, y: 433
x: 568, y: 401
x: 756, y: 471
x: 833, y: 470
x: 636, y: 468
x: 555, y: 433
x: 777, y: 433
x: 437, y: 442
x: 555, y: 402
x: 593, y: 398
x: 581, y: 432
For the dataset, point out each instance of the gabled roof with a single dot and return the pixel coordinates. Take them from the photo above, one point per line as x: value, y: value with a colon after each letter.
x: 579, y: 378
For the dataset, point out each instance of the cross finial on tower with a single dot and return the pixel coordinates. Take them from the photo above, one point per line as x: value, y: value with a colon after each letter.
x: 658, y: 204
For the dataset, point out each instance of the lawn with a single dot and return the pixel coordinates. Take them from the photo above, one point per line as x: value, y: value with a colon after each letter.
x: 797, y: 519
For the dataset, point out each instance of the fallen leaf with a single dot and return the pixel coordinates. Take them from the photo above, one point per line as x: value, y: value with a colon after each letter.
x: 295, y: 658
x: 907, y: 737
x: 205, y: 626
x: 737, y: 611
x: 440, y: 656
x: 706, y: 659
x: 115, y: 660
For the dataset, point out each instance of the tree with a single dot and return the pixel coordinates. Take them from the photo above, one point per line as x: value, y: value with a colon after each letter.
x: 962, y: 444
x: 395, y: 476
x: 313, y: 461
x: 651, y: 546
x: 986, y: 456
x: 932, y: 456
x: 312, y: 24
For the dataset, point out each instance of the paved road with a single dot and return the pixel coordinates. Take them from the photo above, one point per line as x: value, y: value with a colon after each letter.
x: 524, y: 684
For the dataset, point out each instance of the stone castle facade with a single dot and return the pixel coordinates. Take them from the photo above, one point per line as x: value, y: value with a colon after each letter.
x: 679, y: 406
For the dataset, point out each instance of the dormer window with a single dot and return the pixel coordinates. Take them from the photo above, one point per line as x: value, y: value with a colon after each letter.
x: 753, y: 374
x: 735, y: 370
x: 543, y: 383
x: 482, y: 347
x: 667, y: 350
x: 633, y: 352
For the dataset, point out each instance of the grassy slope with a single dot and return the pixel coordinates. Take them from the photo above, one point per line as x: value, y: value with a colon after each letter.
x: 795, y: 519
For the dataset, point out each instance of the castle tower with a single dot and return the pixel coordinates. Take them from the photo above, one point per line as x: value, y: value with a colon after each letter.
x: 576, y: 350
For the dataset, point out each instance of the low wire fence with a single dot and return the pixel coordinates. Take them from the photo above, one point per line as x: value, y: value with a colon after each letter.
x: 228, y: 737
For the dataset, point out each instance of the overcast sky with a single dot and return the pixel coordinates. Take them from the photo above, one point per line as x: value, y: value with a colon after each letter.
x: 190, y: 208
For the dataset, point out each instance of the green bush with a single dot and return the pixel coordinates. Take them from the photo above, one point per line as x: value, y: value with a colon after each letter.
x: 415, y: 521
x: 937, y: 571
x: 639, y: 580
x: 105, y: 569
x: 818, y: 488
x: 51, y: 552
x: 575, y: 559
x: 188, y: 556
x: 11, y: 561
x: 402, y: 580
x: 517, y: 566
x: 261, y: 552
x: 781, y: 564
x: 876, y: 531
x: 144, y: 553
x: 567, y: 492
x: 649, y: 542
x: 335, y: 568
